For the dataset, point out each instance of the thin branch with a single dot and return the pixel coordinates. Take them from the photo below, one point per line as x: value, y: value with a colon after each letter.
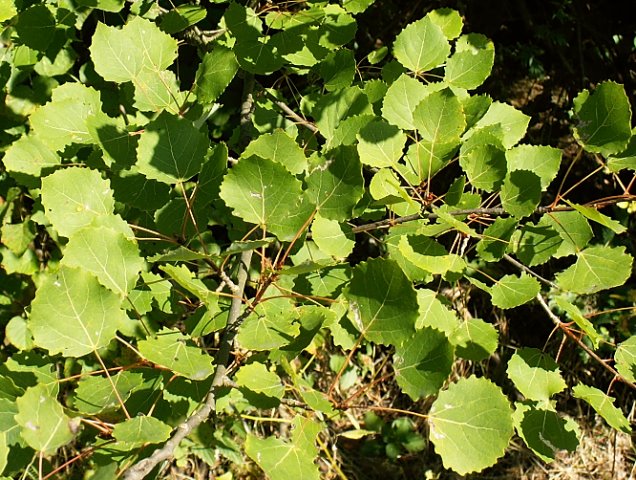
x: 564, y: 327
x: 295, y: 117
x: 521, y: 266
x: 496, y: 211
x: 142, y: 468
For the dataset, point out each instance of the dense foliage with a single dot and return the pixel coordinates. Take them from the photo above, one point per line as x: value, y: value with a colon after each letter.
x: 215, y: 212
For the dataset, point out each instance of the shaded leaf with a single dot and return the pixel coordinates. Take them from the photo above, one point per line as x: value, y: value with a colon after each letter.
x: 216, y: 71
x: 475, y: 339
x: 171, y: 149
x: 423, y: 362
x: 383, y: 302
x: 520, y: 193
x: 545, y: 432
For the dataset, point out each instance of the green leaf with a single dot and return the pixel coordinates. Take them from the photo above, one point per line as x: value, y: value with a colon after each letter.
x: 76, y: 197
x: 106, y: 5
x: 536, y: 244
x: 282, y: 460
x: 625, y: 358
x: 439, y: 117
x: 117, y: 144
x: 268, y: 328
x: 157, y: 90
x: 332, y: 108
x: 336, y: 185
x: 604, y: 119
x: 541, y: 160
x: 175, y: 351
x: 182, y: 17
x: 593, y: 214
x: 95, y: 394
x: 280, y: 148
x: 597, y: 268
x: 382, y: 301
x: 577, y: 317
x: 171, y: 149
x: 421, y: 46
x: 435, y: 261
x: 535, y: 374
x: 29, y: 155
x: 17, y: 333
x: 484, y: 164
x: 261, y: 191
x: 357, y: 6
x: 8, y: 11
x: 185, y: 278
x: 331, y: 237
x: 471, y: 425
x: 521, y: 193
x: 62, y: 121
x: 572, y: 227
x: 338, y: 69
x: 380, y: 144
x: 510, y: 123
x: 425, y: 158
x: 36, y: 27
x: 511, y: 291
x: 471, y: 63
x: 475, y: 340
x: 107, y: 254
x: 449, y: 20
x: 116, y: 61
x: 433, y: 313
x: 216, y: 71
x: 257, y: 378
x: 624, y: 159
x: 604, y: 406
x: 400, y: 101
x: 545, y: 432
x: 138, y: 431
x: 423, y: 362
x: 496, y: 238
x: 44, y: 426
x: 73, y: 314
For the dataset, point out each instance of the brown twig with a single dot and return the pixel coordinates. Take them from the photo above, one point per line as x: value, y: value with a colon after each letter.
x: 565, y: 329
x: 142, y: 468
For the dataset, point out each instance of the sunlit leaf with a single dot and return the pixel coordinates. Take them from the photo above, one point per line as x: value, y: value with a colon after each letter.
x: 44, y: 425
x: 175, y: 351
x: 73, y: 314
x: 471, y: 425
x: 535, y: 374
x: 597, y: 268
x: 604, y: 406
